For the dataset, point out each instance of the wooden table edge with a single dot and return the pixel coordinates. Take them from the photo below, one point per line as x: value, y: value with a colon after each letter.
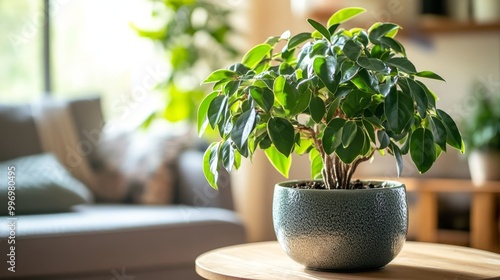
x: 211, y: 274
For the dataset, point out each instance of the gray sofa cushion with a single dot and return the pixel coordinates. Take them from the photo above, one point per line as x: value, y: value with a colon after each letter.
x: 40, y: 185
x: 193, y: 187
x: 100, y: 238
x: 18, y: 135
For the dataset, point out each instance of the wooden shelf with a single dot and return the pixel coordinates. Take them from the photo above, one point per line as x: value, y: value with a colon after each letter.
x: 434, y: 25
x: 428, y: 25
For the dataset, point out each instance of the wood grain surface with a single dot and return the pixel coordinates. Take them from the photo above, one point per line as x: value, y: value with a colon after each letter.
x: 417, y: 260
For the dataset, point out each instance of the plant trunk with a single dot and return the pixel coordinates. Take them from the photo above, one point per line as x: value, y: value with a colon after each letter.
x: 328, y: 172
x: 335, y: 173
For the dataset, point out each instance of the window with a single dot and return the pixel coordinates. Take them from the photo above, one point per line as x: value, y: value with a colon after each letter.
x: 93, y: 52
x: 21, y: 24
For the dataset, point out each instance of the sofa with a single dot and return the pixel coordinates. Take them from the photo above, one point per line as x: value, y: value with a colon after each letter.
x: 88, y: 233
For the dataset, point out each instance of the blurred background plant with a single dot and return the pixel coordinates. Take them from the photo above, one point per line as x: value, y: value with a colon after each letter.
x: 195, y: 37
x: 482, y: 125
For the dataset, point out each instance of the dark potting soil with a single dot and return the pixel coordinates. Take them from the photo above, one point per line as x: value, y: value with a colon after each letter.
x: 319, y: 185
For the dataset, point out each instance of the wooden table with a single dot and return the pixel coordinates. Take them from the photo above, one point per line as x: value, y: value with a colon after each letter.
x: 484, y: 216
x: 266, y: 260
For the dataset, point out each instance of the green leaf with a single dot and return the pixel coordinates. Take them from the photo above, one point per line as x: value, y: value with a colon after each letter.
x: 373, y: 64
x: 375, y: 121
x: 332, y: 135
x: 403, y: 64
x: 279, y: 89
x: 453, y: 137
x: 431, y: 96
x: 217, y: 109
x: 320, y: 47
x: 348, y: 133
x: 303, y: 99
x: 398, y: 111
x: 393, y: 44
x: 282, y: 134
x: 420, y: 97
x: 334, y: 105
x: 344, y: 15
x: 293, y: 101
x: 280, y: 162
x: 399, y: 158
x: 211, y: 164
x: 286, y: 69
x: 220, y: 74
x: 383, y: 139
x: 365, y: 82
x: 422, y: 149
x: 348, y: 69
x: 369, y: 130
x: 385, y: 87
x: 430, y: 75
x: 254, y: 56
x: 325, y: 68
x: 231, y: 87
x: 406, y: 146
x: 316, y: 163
x: 242, y: 129
x: 239, y: 68
x: 350, y: 153
x: 381, y: 31
x: 439, y: 132
x: 352, y: 50
x: 264, y: 97
x: 317, y: 108
x: 227, y: 155
x: 298, y: 39
x: 265, y: 142
x: 202, y: 118
x: 316, y: 167
x: 237, y: 159
x: 320, y: 28
x: 273, y: 40
x: 333, y: 28
x: 303, y: 146
x: 355, y: 103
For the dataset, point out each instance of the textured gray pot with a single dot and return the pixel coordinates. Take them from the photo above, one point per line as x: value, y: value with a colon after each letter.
x: 341, y: 229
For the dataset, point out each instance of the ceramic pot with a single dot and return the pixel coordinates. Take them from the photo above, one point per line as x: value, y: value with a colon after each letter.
x: 484, y: 166
x: 343, y: 230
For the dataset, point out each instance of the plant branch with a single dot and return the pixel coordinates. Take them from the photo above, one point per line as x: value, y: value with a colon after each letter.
x: 355, y: 164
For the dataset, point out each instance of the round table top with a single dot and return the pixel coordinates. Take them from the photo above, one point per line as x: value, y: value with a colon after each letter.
x: 417, y: 260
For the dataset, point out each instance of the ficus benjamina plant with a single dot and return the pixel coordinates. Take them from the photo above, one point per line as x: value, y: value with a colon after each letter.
x: 339, y: 95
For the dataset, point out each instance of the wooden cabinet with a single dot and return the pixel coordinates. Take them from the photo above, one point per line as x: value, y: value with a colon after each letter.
x: 484, y: 213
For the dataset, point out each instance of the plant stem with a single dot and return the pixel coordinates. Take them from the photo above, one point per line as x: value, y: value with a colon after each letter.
x: 338, y: 171
x: 328, y: 172
x: 355, y: 164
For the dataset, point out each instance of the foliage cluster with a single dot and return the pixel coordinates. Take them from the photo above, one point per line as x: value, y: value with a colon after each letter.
x: 339, y: 95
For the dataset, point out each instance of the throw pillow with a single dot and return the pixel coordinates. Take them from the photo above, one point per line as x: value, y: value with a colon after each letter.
x: 42, y: 185
x: 138, y: 166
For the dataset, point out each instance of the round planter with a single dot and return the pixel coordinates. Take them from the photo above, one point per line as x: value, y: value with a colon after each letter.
x: 346, y: 230
x: 484, y: 166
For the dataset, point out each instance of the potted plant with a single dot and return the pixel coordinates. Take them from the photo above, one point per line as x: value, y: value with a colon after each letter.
x: 482, y: 135
x: 340, y: 96
x: 194, y: 38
